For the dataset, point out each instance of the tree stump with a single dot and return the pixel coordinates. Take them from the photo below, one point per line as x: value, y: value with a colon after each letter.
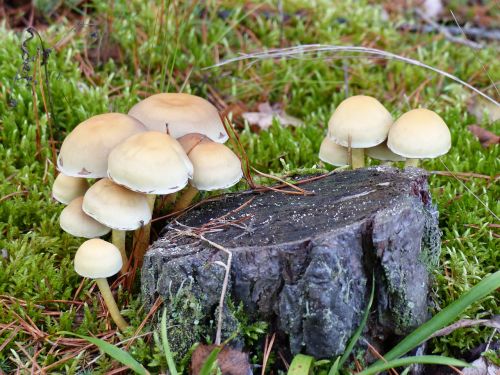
x: 305, y: 263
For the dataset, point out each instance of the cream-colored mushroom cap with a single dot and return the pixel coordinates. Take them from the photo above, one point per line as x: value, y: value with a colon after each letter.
x: 115, y: 206
x: 182, y: 114
x: 332, y: 153
x: 382, y: 152
x: 67, y: 188
x: 419, y: 134
x: 84, y: 152
x: 215, y: 166
x: 151, y: 162
x: 97, y: 259
x: 77, y: 223
x: 362, y: 119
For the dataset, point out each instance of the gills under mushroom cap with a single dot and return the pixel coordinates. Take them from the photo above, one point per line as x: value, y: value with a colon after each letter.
x: 115, y: 206
x: 181, y: 114
x: 361, y: 120
x: 151, y: 163
x: 97, y: 259
x: 418, y: 134
x: 84, y: 152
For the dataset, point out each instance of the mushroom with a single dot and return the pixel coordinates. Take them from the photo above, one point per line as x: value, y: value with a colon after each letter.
x: 98, y: 259
x: 67, y: 188
x: 333, y: 154
x: 215, y: 167
x: 383, y: 153
x: 151, y: 163
x: 84, y: 152
x: 417, y: 134
x: 118, y: 208
x: 77, y: 223
x: 359, y: 122
x: 178, y: 114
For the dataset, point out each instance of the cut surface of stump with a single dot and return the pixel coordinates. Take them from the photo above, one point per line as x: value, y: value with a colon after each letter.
x: 305, y: 263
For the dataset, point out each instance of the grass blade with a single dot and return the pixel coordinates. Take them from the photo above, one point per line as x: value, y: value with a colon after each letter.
x: 358, y: 331
x: 334, y: 370
x: 444, y: 317
x: 210, y: 362
x: 426, y: 359
x: 116, y: 353
x: 166, y: 346
x: 301, y: 365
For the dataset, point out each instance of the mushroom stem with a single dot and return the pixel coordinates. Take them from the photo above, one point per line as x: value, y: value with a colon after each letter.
x: 118, y: 239
x: 412, y: 163
x: 109, y: 300
x: 143, y: 234
x: 358, y: 158
x: 186, y: 198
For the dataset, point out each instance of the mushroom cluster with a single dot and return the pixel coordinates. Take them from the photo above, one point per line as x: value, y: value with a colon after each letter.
x: 362, y: 125
x: 130, y: 159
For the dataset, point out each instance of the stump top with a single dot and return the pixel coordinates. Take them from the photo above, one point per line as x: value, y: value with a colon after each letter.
x: 339, y: 200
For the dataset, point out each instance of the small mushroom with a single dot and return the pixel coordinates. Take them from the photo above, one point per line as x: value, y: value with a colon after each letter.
x: 98, y: 259
x: 215, y: 167
x: 67, y: 188
x: 359, y: 122
x: 178, y: 114
x: 418, y: 134
x: 383, y: 153
x: 118, y: 208
x: 77, y: 223
x: 333, y: 154
x: 84, y: 152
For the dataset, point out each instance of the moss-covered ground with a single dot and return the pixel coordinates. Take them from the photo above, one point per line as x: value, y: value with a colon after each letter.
x: 106, y: 58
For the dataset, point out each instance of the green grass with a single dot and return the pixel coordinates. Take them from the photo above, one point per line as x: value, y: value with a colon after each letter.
x: 39, y: 264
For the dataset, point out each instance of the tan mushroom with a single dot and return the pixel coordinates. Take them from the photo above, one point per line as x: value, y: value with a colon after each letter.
x: 67, y: 188
x: 419, y: 134
x: 77, y: 223
x: 84, y: 152
x: 333, y: 154
x: 98, y: 259
x: 179, y: 114
x: 359, y: 122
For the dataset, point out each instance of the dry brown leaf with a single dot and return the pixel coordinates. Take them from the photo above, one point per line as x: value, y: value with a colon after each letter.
x: 485, y: 137
x: 264, y: 117
x: 230, y: 361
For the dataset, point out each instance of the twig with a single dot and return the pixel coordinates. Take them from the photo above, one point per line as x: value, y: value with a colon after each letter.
x: 465, y: 175
x: 446, y: 33
x: 268, y: 347
x: 493, y: 323
x: 290, y: 52
x: 472, y: 32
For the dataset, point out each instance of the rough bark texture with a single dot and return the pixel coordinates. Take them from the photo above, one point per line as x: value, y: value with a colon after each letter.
x: 305, y: 263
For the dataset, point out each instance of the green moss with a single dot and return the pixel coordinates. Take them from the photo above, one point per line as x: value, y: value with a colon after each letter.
x: 39, y: 262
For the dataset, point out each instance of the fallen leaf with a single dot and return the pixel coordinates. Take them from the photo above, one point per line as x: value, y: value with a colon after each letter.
x: 485, y: 137
x: 230, y: 361
x: 264, y: 117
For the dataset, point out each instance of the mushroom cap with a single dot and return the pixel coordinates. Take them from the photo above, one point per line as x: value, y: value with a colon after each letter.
x: 419, y: 134
x: 115, y: 206
x: 215, y: 166
x: 183, y: 113
x: 332, y: 153
x: 77, y: 223
x: 382, y: 152
x: 67, y: 188
x: 97, y: 259
x: 84, y: 152
x: 361, y: 118
x: 151, y: 163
